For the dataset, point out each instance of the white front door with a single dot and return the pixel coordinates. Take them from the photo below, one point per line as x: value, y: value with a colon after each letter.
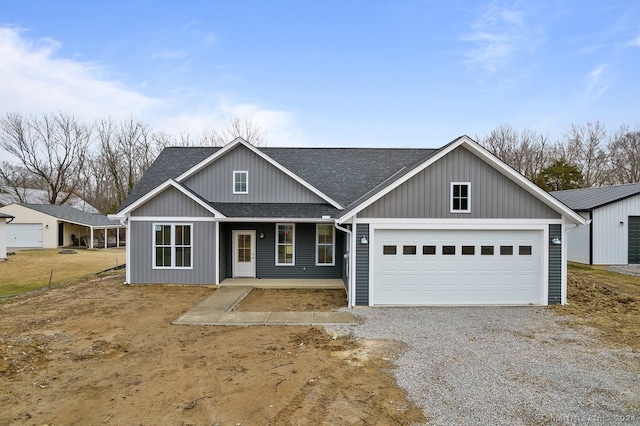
x: 244, y: 253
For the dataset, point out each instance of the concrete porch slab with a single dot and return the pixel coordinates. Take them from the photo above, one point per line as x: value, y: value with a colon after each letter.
x: 283, y: 283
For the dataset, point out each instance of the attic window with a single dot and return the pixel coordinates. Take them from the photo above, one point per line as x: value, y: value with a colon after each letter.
x: 460, y: 197
x: 240, y: 182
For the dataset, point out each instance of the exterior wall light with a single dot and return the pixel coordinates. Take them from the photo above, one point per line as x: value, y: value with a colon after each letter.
x: 556, y: 241
x: 363, y: 240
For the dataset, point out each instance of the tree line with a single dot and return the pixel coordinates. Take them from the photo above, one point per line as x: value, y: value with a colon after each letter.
x: 101, y: 161
x: 586, y: 156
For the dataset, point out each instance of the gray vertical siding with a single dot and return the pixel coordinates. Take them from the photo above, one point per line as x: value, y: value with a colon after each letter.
x: 362, y: 265
x: 267, y: 184
x: 305, y: 252
x: 141, y: 246
x: 555, y: 266
x: 426, y: 195
x: 171, y: 202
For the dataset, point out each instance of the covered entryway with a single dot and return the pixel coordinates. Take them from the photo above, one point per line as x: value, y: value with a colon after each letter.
x: 244, y: 254
x: 634, y: 239
x: 463, y: 267
x: 21, y: 235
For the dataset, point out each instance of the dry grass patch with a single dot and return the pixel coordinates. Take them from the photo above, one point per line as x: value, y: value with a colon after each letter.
x: 30, y: 270
x: 607, y: 301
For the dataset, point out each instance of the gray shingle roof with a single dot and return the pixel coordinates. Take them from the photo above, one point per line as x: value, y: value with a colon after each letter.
x: 344, y: 174
x: 69, y: 214
x: 592, y: 198
x: 276, y: 210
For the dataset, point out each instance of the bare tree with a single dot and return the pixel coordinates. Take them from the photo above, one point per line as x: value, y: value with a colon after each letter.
x: 235, y: 127
x: 624, y: 149
x: 126, y: 150
x: 16, y: 180
x: 52, y: 148
x: 585, y: 146
x: 525, y: 151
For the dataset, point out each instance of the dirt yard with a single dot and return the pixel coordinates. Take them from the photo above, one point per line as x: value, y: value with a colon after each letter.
x: 105, y: 353
x: 606, y: 301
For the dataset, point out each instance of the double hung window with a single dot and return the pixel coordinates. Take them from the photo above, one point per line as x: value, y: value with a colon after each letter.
x: 172, y: 246
x: 460, y: 197
x: 285, y: 244
x: 325, y: 238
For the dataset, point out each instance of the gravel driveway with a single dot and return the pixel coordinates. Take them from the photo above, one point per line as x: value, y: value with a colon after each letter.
x: 506, y: 366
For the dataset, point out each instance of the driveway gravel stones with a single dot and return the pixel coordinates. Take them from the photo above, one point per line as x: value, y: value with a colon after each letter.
x: 506, y: 366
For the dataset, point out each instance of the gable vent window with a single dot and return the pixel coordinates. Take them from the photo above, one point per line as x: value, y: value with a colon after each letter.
x: 240, y: 182
x: 460, y: 197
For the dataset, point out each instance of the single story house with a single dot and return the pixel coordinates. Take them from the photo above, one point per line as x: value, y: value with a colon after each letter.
x: 3, y: 231
x: 453, y: 225
x: 613, y: 235
x: 39, y: 196
x: 51, y: 226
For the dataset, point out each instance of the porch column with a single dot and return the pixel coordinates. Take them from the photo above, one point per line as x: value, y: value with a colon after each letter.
x: 105, y: 237
x: 91, y: 238
x: 118, y: 237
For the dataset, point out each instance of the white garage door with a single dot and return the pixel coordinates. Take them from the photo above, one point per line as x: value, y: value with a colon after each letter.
x: 466, y: 267
x: 24, y: 235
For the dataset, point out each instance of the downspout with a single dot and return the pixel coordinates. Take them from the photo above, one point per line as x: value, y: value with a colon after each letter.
x: 351, y: 269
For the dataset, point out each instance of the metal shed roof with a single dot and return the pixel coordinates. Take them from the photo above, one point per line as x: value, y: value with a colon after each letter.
x: 593, y: 198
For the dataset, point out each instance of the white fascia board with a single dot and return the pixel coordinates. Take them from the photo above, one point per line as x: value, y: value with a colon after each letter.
x: 159, y: 189
x: 523, y: 182
x: 255, y: 150
x: 278, y: 219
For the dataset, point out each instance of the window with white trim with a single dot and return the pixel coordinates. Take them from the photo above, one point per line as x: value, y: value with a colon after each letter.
x: 460, y: 197
x: 285, y: 244
x: 240, y: 182
x: 325, y: 244
x: 172, y: 246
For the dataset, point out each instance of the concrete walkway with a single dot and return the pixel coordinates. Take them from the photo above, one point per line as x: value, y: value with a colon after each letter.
x: 217, y: 309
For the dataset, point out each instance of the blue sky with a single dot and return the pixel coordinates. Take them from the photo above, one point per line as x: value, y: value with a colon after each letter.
x: 328, y: 73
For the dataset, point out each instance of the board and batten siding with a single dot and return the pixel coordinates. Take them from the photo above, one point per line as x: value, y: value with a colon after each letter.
x: 362, y: 265
x: 555, y: 266
x: 141, y: 256
x: 266, y: 183
x: 305, y: 252
x: 610, y: 237
x: 171, y: 202
x: 427, y: 194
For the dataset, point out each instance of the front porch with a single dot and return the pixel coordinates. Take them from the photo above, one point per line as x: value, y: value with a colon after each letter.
x: 307, y: 283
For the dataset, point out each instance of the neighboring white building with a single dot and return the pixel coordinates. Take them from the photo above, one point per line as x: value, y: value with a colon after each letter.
x: 38, y: 196
x: 3, y: 232
x: 51, y: 226
x: 613, y: 237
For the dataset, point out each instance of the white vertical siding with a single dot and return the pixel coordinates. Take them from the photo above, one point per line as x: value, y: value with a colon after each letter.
x: 578, y: 242
x: 610, y: 238
x: 3, y: 239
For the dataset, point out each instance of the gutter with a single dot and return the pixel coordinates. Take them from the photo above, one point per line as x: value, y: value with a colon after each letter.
x: 350, y: 256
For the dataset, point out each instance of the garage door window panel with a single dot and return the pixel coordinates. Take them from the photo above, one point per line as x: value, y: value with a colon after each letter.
x: 448, y: 250
x: 486, y: 250
x: 460, y: 197
x: 429, y: 250
x: 506, y: 250
x: 389, y: 250
x: 468, y: 250
x: 409, y: 250
x: 524, y: 250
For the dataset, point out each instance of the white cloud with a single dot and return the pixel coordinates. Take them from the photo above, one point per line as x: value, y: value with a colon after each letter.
x: 597, y: 81
x: 635, y: 42
x: 33, y: 80
x: 498, y: 34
